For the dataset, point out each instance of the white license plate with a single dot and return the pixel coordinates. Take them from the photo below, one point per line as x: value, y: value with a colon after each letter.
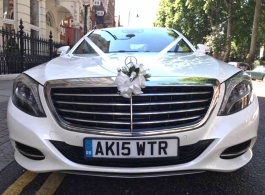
x: 136, y: 148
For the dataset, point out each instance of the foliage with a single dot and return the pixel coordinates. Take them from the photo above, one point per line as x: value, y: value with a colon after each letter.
x: 206, y: 20
x: 188, y: 20
x: 216, y: 41
x: 256, y: 63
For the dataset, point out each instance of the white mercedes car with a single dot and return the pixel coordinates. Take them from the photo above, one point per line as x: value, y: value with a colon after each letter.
x: 133, y: 102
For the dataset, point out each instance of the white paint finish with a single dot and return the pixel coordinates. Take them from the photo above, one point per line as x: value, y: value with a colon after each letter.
x: 160, y: 64
x: 225, y: 130
x: 237, y: 131
x: 173, y: 65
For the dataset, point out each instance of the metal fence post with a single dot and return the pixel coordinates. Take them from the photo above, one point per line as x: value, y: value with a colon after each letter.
x: 21, y: 43
x: 51, y: 45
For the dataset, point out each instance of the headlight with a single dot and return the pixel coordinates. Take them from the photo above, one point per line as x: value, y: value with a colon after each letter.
x: 238, y: 94
x: 26, y: 97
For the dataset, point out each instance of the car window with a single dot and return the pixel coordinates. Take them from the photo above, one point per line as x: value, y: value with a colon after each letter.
x: 259, y: 69
x: 132, y: 40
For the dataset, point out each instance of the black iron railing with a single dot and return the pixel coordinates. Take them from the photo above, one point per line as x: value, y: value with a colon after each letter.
x: 20, y: 51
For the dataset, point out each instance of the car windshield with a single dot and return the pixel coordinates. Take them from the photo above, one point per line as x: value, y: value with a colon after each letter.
x: 132, y: 40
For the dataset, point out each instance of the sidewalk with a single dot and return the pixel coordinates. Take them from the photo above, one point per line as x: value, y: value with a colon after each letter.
x: 6, y: 149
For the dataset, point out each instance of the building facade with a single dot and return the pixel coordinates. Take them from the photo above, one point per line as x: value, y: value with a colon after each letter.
x: 64, y: 18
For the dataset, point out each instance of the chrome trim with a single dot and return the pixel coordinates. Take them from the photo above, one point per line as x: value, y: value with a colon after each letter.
x: 136, y: 113
x: 86, y: 112
x: 133, y: 175
x: 235, y: 154
x: 132, y: 123
x: 102, y: 122
x: 91, y: 103
x: 115, y: 94
x: 169, y: 112
x: 167, y: 121
x: 131, y: 114
x: 38, y: 157
x: 163, y: 103
x: 137, y: 104
x: 109, y: 82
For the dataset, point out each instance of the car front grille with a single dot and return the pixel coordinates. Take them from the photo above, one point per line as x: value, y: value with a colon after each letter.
x: 186, y: 154
x: 159, y: 107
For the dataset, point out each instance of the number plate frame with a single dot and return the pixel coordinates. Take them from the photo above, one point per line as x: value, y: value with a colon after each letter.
x: 130, y: 139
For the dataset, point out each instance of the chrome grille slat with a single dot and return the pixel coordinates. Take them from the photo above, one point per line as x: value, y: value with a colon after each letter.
x: 91, y: 103
x: 136, y: 113
x: 114, y: 94
x: 86, y: 112
x: 76, y: 94
x: 94, y: 121
x: 168, y: 112
x: 135, y: 123
x: 138, y: 104
x: 166, y: 121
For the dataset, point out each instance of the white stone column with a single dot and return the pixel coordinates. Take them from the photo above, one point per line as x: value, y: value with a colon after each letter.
x: 1, y: 13
x: 42, y: 18
x: 23, y: 12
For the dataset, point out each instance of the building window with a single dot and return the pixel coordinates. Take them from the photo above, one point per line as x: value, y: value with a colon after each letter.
x: 49, y: 19
x: 33, y: 46
x: 96, y: 2
x: 34, y: 12
x: 100, y: 13
x: 8, y: 9
x: 8, y: 26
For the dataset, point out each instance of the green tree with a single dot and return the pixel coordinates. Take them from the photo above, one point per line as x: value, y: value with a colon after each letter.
x: 189, y: 20
x: 225, y: 24
x: 254, y: 35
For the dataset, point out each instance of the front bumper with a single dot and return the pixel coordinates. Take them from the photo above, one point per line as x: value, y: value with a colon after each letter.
x: 226, y: 131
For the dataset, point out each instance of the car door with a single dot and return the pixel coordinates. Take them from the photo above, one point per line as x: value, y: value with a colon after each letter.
x: 256, y: 73
x: 263, y: 73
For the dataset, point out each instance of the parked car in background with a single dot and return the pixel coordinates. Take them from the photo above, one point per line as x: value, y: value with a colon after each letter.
x: 257, y: 73
x: 242, y: 65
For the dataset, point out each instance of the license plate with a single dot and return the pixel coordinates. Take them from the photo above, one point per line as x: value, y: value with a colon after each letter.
x: 134, y: 148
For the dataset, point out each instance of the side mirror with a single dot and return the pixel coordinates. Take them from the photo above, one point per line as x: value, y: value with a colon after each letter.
x: 63, y: 49
x: 203, y: 49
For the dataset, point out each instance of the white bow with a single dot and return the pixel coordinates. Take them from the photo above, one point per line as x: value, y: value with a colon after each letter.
x: 131, y: 85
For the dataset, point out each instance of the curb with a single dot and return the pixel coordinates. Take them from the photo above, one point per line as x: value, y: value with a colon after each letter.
x: 8, y: 76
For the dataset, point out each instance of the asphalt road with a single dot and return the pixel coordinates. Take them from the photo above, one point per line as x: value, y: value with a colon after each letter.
x: 248, y: 180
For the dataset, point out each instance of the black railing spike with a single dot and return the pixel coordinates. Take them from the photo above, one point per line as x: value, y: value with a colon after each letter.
x: 50, y: 35
x: 21, y: 27
x: 51, y: 45
x: 68, y: 41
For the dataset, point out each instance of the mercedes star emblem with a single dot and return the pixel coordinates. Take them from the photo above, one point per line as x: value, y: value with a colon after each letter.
x: 130, y: 60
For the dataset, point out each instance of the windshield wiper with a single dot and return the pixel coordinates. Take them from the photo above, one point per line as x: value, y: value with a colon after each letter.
x: 121, y: 51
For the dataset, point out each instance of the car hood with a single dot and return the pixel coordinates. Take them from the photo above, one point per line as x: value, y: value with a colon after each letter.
x: 170, y: 65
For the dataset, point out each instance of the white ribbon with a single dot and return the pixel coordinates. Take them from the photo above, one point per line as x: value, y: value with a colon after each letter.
x: 130, y: 85
x: 66, y: 55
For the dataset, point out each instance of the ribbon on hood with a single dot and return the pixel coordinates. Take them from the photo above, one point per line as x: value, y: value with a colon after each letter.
x: 127, y: 84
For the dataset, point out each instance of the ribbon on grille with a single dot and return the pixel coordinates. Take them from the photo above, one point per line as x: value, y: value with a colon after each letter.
x: 128, y: 85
